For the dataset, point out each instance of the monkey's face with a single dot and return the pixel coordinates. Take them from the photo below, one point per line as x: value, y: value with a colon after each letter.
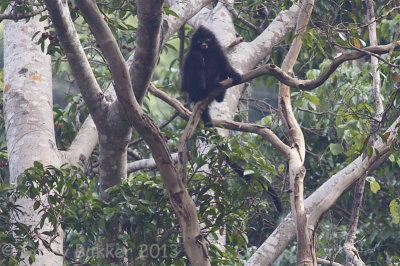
x: 203, y: 44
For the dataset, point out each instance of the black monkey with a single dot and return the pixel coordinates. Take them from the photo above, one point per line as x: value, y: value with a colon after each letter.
x: 205, y: 66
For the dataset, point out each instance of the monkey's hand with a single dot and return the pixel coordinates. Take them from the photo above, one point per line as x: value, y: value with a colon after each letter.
x: 236, y: 78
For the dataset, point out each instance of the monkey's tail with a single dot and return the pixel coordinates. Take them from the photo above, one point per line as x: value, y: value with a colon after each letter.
x: 275, y: 198
x: 270, y: 190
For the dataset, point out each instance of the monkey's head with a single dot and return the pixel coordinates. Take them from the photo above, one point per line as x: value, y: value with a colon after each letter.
x: 203, y: 39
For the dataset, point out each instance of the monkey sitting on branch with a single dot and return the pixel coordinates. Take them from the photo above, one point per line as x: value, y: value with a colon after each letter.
x: 206, y: 64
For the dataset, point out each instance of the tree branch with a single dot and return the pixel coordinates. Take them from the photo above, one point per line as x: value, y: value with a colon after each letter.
x: 82, y: 146
x: 305, y: 246
x: 18, y: 16
x: 324, y: 197
x: 149, y: 13
x: 307, y: 85
x: 234, y: 13
x: 111, y: 52
x: 170, y: 26
x: 80, y: 66
x: 328, y: 262
x: 146, y: 164
x: 181, y: 201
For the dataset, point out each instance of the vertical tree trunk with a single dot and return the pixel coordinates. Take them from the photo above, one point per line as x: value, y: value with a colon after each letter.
x: 28, y: 108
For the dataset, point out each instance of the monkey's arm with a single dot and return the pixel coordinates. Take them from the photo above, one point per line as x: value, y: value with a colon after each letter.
x: 193, y: 80
x: 229, y: 70
x: 232, y: 73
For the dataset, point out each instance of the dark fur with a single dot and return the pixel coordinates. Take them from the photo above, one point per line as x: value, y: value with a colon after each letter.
x: 205, y: 66
x: 270, y: 190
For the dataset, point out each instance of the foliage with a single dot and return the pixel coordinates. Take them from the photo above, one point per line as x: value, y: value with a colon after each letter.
x: 67, y: 197
x: 335, y: 118
x: 68, y: 120
x: 4, y: 174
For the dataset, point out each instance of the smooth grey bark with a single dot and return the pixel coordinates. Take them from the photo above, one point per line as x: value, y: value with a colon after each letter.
x: 149, y: 13
x: 28, y: 116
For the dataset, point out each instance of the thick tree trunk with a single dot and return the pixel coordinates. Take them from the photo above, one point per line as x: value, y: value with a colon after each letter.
x: 28, y: 107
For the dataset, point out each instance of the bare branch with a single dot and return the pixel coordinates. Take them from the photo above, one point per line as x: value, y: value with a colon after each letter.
x: 240, y: 17
x: 307, y: 85
x: 109, y: 47
x: 171, y: 24
x: 306, y: 254
x: 328, y: 262
x: 181, y: 201
x: 80, y: 66
x: 149, y: 13
x: 18, y: 16
x: 146, y: 164
x: 232, y: 125
x: 83, y: 144
x: 183, y: 112
x: 265, y: 132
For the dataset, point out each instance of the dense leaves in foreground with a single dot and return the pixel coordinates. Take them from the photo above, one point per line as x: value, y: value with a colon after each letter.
x: 67, y: 197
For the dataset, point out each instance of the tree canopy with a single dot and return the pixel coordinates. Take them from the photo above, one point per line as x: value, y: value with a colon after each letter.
x: 104, y: 161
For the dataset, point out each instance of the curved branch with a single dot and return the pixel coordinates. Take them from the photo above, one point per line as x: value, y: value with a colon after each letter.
x: 149, y: 14
x: 183, y: 112
x: 109, y: 47
x: 265, y: 132
x: 19, y: 16
x: 146, y: 164
x: 307, y: 85
x: 305, y: 245
x: 184, y: 207
x: 77, y: 59
x: 83, y: 144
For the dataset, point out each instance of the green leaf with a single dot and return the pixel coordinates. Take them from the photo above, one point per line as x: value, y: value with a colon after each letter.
x: 248, y: 172
x: 230, y: 249
x: 36, y: 205
x: 43, y: 18
x: 336, y: 148
x: 311, y: 97
x: 281, y: 169
x: 370, y: 151
x: 394, y: 210
x: 31, y: 258
x: 37, y: 165
x: 374, y: 186
x: 170, y: 12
